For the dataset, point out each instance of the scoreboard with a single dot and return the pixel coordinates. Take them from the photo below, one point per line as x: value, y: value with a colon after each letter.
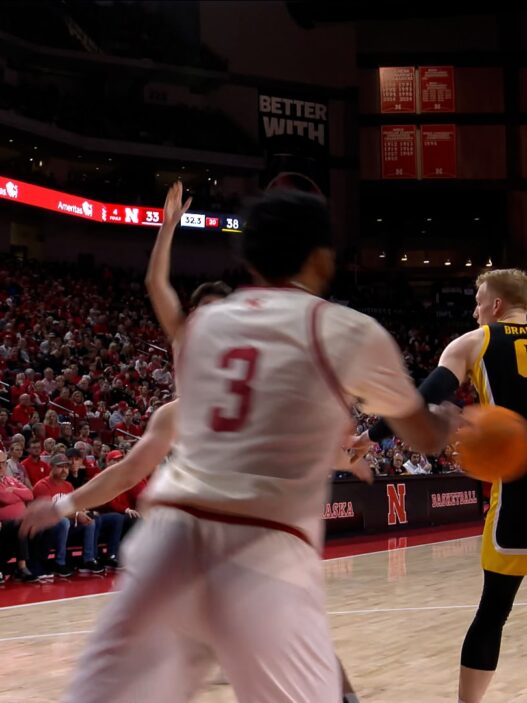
x: 142, y: 216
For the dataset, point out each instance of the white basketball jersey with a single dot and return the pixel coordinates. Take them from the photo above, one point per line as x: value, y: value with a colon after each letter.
x: 267, y: 379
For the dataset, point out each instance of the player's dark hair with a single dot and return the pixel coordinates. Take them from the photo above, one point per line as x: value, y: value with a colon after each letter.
x: 282, y: 229
x: 216, y: 288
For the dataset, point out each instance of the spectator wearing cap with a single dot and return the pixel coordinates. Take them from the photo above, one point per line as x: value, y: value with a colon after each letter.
x: 15, y: 467
x: 35, y: 468
x: 14, y: 496
x: 80, y: 525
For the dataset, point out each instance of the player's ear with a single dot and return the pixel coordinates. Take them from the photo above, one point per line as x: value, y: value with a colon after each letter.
x: 497, y: 306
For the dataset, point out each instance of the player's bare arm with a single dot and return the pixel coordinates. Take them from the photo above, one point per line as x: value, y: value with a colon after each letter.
x: 461, y: 354
x: 385, y: 388
x: 165, y: 300
x: 150, y: 451
x: 454, y: 365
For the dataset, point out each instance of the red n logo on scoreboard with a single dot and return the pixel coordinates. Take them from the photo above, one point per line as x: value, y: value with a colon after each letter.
x: 396, y: 503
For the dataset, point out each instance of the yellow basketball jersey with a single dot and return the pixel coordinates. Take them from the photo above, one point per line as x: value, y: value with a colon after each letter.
x: 500, y: 377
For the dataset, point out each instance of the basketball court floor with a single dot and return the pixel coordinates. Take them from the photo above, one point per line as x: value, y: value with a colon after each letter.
x: 398, y: 618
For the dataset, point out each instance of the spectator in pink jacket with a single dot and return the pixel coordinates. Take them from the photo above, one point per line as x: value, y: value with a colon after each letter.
x: 14, y: 497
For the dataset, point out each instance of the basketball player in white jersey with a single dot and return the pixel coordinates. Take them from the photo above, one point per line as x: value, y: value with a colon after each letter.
x: 226, y: 561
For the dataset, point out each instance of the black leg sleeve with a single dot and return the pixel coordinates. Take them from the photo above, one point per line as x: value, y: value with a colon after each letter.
x: 481, y: 648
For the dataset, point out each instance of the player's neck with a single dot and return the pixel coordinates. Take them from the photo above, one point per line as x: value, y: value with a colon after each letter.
x: 515, y: 315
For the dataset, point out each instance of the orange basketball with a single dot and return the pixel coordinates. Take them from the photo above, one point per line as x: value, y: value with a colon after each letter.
x: 493, y: 445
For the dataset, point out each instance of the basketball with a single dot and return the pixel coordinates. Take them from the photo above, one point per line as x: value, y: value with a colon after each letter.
x: 492, y: 446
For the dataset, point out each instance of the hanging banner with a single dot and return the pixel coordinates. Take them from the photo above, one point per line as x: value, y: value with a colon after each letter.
x: 397, y: 86
x: 436, y: 89
x: 438, y: 151
x: 398, y: 151
x: 294, y: 135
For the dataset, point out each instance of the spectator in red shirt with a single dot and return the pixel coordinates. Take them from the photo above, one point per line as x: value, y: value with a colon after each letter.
x: 14, y: 497
x: 128, y: 426
x: 79, y: 525
x: 23, y: 412
x: 125, y: 503
x: 65, y: 409
x: 18, y: 388
x: 36, y: 469
x: 78, y: 407
x: 51, y: 424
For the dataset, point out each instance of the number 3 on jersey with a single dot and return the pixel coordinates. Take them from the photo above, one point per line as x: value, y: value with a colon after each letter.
x: 246, y: 359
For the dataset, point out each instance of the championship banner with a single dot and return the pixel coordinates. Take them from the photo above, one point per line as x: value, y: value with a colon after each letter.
x: 438, y: 151
x: 398, y: 151
x: 436, y: 89
x: 294, y: 134
x: 397, y: 88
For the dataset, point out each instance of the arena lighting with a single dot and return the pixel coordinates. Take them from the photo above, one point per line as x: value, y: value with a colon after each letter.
x: 489, y: 263
x: 111, y: 213
x: 382, y: 255
x: 404, y: 257
x: 448, y: 262
x: 468, y: 262
x: 426, y: 261
x: 476, y: 219
x: 379, y: 219
x: 429, y: 219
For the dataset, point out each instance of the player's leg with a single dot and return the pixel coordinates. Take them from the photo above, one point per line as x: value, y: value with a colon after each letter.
x: 481, y: 648
x: 269, y: 627
x: 137, y: 651
x: 348, y: 693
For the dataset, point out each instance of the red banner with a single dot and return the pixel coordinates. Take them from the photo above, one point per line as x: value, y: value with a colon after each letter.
x: 398, y: 146
x: 397, y: 86
x: 436, y: 88
x: 438, y: 150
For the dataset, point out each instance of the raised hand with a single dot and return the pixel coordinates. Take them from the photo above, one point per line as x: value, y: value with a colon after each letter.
x: 174, y: 209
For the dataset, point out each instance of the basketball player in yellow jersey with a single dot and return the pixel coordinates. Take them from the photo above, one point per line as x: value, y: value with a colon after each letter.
x: 495, y: 358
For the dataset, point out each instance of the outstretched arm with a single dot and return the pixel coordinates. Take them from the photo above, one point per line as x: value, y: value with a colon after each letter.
x: 150, y: 451
x: 164, y: 298
x: 456, y: 361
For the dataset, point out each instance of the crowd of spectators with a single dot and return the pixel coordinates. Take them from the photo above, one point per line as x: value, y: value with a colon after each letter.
x: 83, y: 365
